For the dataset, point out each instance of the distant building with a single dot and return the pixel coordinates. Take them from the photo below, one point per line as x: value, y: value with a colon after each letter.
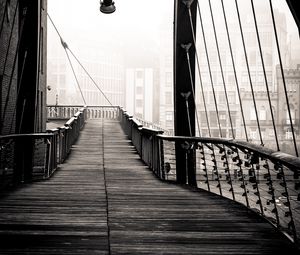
x: 107, y: 70
x: 292, y: 79
x: 141, y: 88
x: 166, y: 106
x: 267, y: 39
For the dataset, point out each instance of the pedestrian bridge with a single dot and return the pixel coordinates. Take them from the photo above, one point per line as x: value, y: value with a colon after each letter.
x: 93, y: 194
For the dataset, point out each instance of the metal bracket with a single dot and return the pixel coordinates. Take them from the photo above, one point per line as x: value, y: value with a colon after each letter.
x: 188, y: 3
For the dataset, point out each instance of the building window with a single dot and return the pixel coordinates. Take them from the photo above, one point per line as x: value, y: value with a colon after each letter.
x: 168, y: 79
x: 245, y: 79
x: 253, y: 134
x: 231, y: 97
x: 293, y: 115
x: 222, y: 99
x: 252, y: 113
x: 268, y: 59
x: 139, y: 90
x: 262, y: 113
x: 288, y: 134
x: 231, y: 79
x: 252, y: 58
x: 168, y: 60
x: 139, y: 103
x: 139, y: 74
x: 169, y: 98
x: 169, y: 116
x: 213, y: 119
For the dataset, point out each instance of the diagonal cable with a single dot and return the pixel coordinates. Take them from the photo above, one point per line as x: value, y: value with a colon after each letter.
x: 265, y: 75
x: 67, y: 48
x: 199, y: 73
x: 234, y: 71
x: 249, y: 74
x: 210, y: 72
x: 283, y: 80
x: 84, y: 69
x: 75, y: 76
x: 221, y: 68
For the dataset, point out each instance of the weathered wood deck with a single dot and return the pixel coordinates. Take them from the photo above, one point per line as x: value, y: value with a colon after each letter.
x: 103, y: 200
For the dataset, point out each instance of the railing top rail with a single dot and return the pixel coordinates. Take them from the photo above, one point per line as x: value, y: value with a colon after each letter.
x: 290, y: 161
x: 150, y: 130
x: 87, y: 106
x: 31, y: 135
x: 70, y: 121
x: 136, y: 122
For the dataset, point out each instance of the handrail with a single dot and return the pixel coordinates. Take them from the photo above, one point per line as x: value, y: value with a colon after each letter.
x: 262, y: 179
x: 286, y: 159
x: 29, y: 157
x: 92, y: 112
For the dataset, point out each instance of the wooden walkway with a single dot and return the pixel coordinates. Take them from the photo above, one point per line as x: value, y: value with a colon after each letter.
x: 103, y: 200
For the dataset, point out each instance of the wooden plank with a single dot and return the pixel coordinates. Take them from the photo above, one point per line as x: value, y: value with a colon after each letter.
x: 68, y: 213
x: 64, y: 215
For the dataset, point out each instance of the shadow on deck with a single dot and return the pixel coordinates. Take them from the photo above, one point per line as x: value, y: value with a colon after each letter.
x: 104, y: 200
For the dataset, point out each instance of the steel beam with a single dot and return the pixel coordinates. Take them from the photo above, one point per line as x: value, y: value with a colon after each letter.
x: 184, y: 107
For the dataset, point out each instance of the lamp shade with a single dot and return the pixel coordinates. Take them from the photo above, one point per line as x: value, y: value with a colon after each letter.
x: 107, y: 6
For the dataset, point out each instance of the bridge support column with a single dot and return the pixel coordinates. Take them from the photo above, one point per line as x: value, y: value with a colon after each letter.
x: 28, y: 82
x: 184, y: 106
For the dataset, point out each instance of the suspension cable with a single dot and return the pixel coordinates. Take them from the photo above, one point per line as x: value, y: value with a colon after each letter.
x: 210, y: 72
x: 68, y: 48
x: 200, y: 76
x: 249, y: 74
x: 283, y: 79
x: 265, y: 75
x: 234, y: 71
x: 221, y: 68
x: 75, y: 76
x: 84, y: 69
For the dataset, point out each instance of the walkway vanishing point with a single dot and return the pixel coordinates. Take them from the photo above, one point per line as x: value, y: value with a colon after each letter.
x: 104, y: 200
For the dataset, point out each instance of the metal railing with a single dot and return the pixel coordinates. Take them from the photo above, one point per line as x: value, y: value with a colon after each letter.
x: 263, y: 180
x: 92, y: 112
x: 29, y: 157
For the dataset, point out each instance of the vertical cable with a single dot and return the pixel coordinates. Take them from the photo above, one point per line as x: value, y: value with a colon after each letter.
x: 235, y: 74
x: 199, y: 72
x: 249, y: 74
x: 221, y: 68
x: 283, y: 79
x: 210, y: 73
x: 265, y: 75
x: 187, y: 47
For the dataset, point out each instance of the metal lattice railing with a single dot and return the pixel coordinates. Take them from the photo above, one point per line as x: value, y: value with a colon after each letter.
x: 29, y: 157
x: 263, y: 180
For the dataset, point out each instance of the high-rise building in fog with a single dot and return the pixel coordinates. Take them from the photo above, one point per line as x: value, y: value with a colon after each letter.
x: 166, y: 106
x: 140, y: 85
